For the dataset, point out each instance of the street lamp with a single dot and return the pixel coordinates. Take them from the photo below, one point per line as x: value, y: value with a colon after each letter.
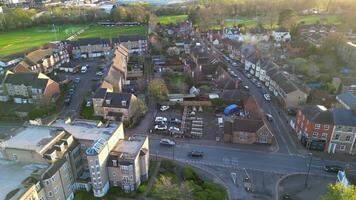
x: 307, y: 176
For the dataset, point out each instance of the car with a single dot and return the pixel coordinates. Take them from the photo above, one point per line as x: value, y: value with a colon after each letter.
x: 175, y: 121
x: 174, y: 129
x: 234, y: 64
x: 88, y: 104
x: 246, y: 87
x: 269, y: 117
x: 249, y: 76
x: 332, y: 168
x: 167, y: 142
x: 71, y: 91
x: 267, y: 97
x: 160, y: 119
x: 84, y: 69
x: 191, y: 114
x: 99, y: 73
x: 254, y: 80
x: 291, y: 111
x: 67, y: 101
x: 164, y: 108
x: 77, y: 80
x: 234, y: 74
x: 95, y: 79
x: 196, y: 154
x: 160, y: 127
x: 259, y: 85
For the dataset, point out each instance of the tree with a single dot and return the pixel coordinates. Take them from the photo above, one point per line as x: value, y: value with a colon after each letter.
x: 186, y: 191
x: 158, y: 89
x: 287, y: 18
x: 338, y: 191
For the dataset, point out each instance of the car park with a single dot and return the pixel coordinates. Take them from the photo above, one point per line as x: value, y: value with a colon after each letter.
x: 196, y: 154
x: 167, y: 142
x: 267, y: 97
x: 164, y: 108
x: 332, y: 168
x: 160, y: 127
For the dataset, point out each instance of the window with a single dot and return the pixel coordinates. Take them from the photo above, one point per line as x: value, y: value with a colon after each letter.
x: 315, y: 134
x: 324, y: 135
x: 47, y: 182
x: 113, y: 174
x: 55, y: 190
x: 50, y: 194
x: 14, y: 157
x: 348, y: 138
x: 337, y: 136
x: 114, y: 163
x: 326, y: 127
x: 342, y: 147
x: 349, y: 129
x: 317, y: 126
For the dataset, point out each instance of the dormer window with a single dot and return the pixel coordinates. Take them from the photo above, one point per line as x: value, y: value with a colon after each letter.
x: 108, y: 101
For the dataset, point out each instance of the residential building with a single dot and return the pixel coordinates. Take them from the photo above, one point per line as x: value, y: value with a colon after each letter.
x: 247, y: 131
x: 232, y: 47
x: 344, y: 132
x: 3, y: 96
x: 249, y: 57
x: 348, y: 85
x: 89, y: 48
x: 232, y: 33
x: 115, y: 106
x: 117, y: 72
x: 128, y: 163
x: 30, y: 87
x: 43, y: 60
x: 346, y: 100
x: 11, y: 60
x: 314, y: 127
x: 135, y: 44
x: 281, y: 35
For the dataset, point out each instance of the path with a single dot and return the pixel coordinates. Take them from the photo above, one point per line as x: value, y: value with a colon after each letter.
x: 151, y: 181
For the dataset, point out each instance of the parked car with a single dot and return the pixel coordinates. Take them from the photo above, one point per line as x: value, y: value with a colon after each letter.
x: 167, y: 142
x: 234, y: 64
x: 291, y: 111
x: 164, y: 108
x: 259, y: 85
x: 84, y: 69
x: 269, y: 117
x: 174, y: 130
x: 99, y: 73
x: 176, y: 121
x: 77, y: 80
x: 160, y: 127
x: 332, y: 168
x: 246, y: 87
x: 267, y: 97
x: 88, y: 104
x: 161, y: 119
x: 67, y: 101
x: 196, y: 154
x: 71, y: 91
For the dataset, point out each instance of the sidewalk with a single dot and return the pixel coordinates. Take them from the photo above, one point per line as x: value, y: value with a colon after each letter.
x: 295, y: 187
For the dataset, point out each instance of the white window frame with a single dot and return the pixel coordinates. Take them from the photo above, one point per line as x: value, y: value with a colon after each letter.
x: 50, y: 194
x: 315, y: 134
x: 326, y: 127
x: 317, y: 126
x: 349, y: 138
x: 342, y: 147
x: 324, y: 135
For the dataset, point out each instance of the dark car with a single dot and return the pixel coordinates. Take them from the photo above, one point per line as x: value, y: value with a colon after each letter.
x: 67, y: 101
x: 196, y: 154
x: 176, y: 121
x: 332, y: 168
x: 291, y: 111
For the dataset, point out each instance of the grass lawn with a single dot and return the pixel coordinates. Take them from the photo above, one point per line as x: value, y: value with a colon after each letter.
x: 171, y: 19
x: 328, y: 19
x: 20, y: 40
x: 110, y: 32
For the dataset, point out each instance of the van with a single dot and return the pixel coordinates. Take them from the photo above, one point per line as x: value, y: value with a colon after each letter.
x: 220, y: 122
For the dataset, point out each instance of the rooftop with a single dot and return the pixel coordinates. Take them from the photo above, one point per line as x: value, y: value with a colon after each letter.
x: 130, y: 147
x: 347, y: 98
x: 13, y: 173
x: 86, y: 129
x: 34, y: 138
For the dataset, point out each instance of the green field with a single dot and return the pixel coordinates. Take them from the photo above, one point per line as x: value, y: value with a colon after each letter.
x: 328, y: 19
x: 21, y: 40
x: 171, y: 19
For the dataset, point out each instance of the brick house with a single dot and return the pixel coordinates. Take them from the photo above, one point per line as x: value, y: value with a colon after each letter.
x: 115, y: 106
x: 314, y: 127
x: 43, y: 60
x: 30, y: 87
x: 136, y: 44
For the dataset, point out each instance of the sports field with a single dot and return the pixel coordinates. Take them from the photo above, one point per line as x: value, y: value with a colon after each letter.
x: 171, y: 19
x: 21, y: 40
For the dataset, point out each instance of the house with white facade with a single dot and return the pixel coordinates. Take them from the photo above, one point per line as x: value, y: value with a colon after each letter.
x: 232, y: 33
x: 281, y: 35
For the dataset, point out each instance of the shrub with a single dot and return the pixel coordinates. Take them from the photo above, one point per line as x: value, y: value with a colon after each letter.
x: 167, y: 166
x: 188, y: 173
x: 141, y: 188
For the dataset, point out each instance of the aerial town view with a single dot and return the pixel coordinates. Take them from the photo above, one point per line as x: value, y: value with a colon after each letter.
x: 178, y: 99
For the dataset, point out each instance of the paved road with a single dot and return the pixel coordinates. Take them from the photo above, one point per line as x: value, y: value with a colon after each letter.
x: 279, y: 126
x: 237, y: 158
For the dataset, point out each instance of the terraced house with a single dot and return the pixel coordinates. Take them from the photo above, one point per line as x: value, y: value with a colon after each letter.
x: 44, y: 60
x: 30, y: 87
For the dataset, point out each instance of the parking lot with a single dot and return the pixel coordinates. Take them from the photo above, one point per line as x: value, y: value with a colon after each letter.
x: 82, y: 85
x: 198, y: 122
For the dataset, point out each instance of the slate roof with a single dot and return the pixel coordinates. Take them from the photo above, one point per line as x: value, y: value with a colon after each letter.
x: 87, y: 41
x: 347, y: 98
x: 53, y: 169
x: 38, y: 55
x: 116, y: 98
x: 344, y: 117
x: 243, y: 125
x: 317, y: 115
x: 35, y: 80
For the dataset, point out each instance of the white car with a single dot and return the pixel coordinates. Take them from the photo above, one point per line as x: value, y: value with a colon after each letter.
x: 99, y: 73
x: 234, y: 64
x: 269, y: 117
x: 246, y: 87
x: 84, y: 69
x: 164, y: 108
x: 161, y: 127
x: 167, y: 142
x: 267, y: 97
x: 174, y: 129
x: 161, y: 119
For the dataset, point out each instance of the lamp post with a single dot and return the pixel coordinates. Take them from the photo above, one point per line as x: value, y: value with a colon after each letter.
x: 307, y: 176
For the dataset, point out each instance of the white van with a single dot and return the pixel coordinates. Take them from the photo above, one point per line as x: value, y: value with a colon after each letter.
x: 221, y: 122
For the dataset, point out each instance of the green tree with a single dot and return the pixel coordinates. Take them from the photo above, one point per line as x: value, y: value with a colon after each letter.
x: 158, y: 89
x: 166, y: 190
x: 287, y: 18
x: 338, y: 191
